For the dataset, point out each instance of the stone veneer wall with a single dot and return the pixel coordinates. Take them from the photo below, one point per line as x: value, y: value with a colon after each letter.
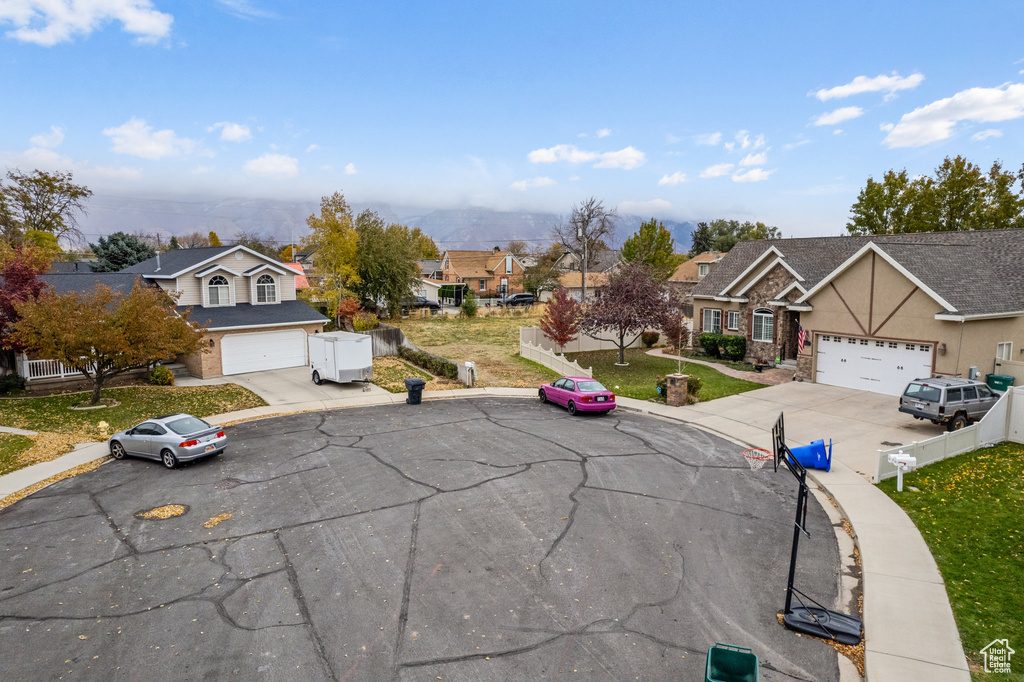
x: 757, y: 297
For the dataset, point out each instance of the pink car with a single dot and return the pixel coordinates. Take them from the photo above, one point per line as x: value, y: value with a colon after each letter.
x: 579, y: 394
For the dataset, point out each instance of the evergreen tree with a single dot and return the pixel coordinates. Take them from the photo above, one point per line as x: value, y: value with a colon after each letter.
x: 119, y: 251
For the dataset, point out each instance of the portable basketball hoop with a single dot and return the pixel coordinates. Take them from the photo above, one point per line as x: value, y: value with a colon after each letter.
x: 813, y: 620
x: 757, y: 457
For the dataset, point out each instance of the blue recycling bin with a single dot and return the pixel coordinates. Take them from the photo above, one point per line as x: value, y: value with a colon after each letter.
x: 814, y: 456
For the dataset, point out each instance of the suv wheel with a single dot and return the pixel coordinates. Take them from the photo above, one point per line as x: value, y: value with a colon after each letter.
x: 958, y: 422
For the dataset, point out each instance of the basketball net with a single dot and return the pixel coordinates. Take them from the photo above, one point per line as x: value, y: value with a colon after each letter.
x: 757, y: 457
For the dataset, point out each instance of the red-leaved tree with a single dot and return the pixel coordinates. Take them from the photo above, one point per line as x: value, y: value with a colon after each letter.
x: 674, y: 325
x: 20, y: 283
x: 561, y: 320
x: 633, y: 301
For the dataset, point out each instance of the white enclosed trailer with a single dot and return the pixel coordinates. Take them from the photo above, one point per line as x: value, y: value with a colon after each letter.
x: 340, y: 357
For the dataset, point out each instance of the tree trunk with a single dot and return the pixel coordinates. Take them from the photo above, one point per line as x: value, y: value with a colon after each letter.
x: 97, y: 386
x: 622, y: 348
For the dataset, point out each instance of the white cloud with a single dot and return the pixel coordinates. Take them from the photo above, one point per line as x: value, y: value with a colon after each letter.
x: 574, y: 178
x: 604, y: 132
x: 744, y: 140
x: 936, y: 121
x: 48, y: 22
x: 709, y: 139
x: 717, y: 170
x: 312, y: 148
x: 985, y: 134
x: 672, y: 139
x: 48, y: 140
x: 838, y: 116
x: 582, y: 135
x: 752, y: 159
x: 886, y: 127
x: 523, y: 185
x: 272, y: 166
x: 350, y: 169
x: 232, y: 132
x: 626, y: 159
x: 245, y: 10
x: 752, y: 175
x: 643, y: 207
x: 888, y: 84
x: 135, y: 138
x: 200, y: 170
x: 119, y: 173
x: 676, y: 178
x: 794, y: 145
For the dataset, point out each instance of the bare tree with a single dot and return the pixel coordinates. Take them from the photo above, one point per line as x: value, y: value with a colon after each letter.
x: 193, y: 240
x: 588, y: 225
x: 518, y: 247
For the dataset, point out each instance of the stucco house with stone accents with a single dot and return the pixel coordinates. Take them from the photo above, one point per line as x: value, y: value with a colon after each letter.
x: 244, y: 299
x: 878, y: 311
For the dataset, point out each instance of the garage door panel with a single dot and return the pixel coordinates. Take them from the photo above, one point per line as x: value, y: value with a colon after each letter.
x: 875, y: 365
x: 260, y: 351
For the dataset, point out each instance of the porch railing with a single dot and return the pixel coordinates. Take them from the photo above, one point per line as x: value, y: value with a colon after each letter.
x: 34, y: 370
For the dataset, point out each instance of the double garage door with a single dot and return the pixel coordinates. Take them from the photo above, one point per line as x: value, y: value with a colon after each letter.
x: 241, y: 353
x: 871, y: 364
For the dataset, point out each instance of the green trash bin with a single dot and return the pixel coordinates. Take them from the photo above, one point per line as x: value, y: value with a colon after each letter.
x: 728, y: 663
x: 999, y: 382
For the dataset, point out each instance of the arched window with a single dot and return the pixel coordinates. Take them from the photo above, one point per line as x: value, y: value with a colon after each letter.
x: 219, y: 294
x: 266, y: 290
x: 764, y: 325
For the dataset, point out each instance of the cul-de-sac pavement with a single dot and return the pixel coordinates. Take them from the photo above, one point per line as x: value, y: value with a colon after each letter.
x: 474, y: 539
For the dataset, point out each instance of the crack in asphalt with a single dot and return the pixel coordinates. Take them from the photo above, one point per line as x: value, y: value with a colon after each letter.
x: 300, y: 598
x: 403, y: 612
x: 689, y: 502
x: 118, y: 533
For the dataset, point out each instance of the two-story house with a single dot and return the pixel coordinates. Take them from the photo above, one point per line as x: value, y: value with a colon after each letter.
x: 485, y: 273
x: 245, y: 300
x: 688, y: 273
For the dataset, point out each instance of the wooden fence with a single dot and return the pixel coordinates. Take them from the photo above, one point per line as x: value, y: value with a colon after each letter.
x: 386, y: 340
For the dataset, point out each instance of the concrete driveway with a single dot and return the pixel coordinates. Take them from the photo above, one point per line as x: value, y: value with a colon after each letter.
x: 476, y: 539
x: 288, y: 386
x: 859, y: 423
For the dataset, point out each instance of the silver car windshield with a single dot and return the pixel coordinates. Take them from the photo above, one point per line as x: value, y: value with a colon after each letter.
x: 187, y: 425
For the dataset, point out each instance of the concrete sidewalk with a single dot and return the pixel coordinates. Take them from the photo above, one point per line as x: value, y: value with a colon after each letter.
x: 910, y: 630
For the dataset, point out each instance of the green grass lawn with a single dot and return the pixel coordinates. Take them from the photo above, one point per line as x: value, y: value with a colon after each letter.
x: 639, y: 379
x: 137, y: 404
x: 970, y: 511
x: 11, y: 445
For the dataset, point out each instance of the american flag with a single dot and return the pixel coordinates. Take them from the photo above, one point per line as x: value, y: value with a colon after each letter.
x: 801, y: 338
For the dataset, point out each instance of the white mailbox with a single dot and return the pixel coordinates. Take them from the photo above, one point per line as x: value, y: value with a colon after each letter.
x: 903, y: 463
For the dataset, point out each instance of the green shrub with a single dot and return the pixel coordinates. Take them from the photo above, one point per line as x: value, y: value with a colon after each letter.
x: 11, y: 383
x: 469, y: 304
x: 364, y: 322
x: 434, y: 364
x: 734, y: 347
x: 161, y: 376
x: 693, y: 384
x: 711, y: 342
x: 649, y: 338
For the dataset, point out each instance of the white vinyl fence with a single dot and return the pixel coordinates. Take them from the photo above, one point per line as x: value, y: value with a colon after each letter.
x: 34, y: 370
x: 553, y: 361
x: 1004, y: 422
x: 533, y: 335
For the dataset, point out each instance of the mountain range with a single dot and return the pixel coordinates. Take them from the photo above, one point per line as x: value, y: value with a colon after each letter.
x: 285, y: 221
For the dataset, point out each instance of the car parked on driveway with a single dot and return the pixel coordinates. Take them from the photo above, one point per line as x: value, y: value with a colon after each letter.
x: 578, y: 394
x: 514, y: 300
x: 953, y: 402
x: 418, y: 303
x: 171, y: 439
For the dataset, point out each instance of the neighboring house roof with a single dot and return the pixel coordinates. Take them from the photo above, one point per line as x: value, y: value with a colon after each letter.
x: 300, y: 279
x: 82, y: 282
x: 689, y: 271
x: 66, y: 267
x: 175, y: 261
x: 432, y: 282
x: 476, y: 264
x: 243, y: 315
x: 430, y: 265
x: 574, y: 280
x: 976, y: 272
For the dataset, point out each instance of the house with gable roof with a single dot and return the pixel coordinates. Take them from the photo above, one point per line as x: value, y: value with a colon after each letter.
x: 485, y: 273
x: 876, y: 311
x: 245, y: 300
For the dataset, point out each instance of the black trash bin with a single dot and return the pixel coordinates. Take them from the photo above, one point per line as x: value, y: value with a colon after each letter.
x: 415, y: 388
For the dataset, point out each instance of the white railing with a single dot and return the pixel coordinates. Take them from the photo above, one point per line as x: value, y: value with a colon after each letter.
x: 33, y: 370
x: 1005, y: 421
x: 581, y: 344
x: 552, y: 360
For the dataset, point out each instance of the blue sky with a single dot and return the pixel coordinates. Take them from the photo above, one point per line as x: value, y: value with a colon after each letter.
x: 756, y: 111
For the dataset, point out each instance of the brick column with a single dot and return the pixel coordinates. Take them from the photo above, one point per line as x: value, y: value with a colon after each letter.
x: 676, y: 389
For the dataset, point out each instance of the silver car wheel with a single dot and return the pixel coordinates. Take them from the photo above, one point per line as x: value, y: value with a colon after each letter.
x: 168, y: 458
x: 117, y: 450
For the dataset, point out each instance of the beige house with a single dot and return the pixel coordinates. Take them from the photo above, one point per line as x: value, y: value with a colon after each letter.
x: 244, y: 299
x: 876, y: 311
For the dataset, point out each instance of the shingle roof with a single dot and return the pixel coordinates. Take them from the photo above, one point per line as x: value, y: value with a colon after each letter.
x: 176, y: 260
x: 82, y: 282
x: 978, y: 272
x: 60, y: 267
x: 474, y: 264
x: 248, y: 315
x: 688, y: 270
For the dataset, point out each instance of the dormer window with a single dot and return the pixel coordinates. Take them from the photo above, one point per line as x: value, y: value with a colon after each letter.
x: 266, y: 290
x: 219, y: 293
x: 702, y: 269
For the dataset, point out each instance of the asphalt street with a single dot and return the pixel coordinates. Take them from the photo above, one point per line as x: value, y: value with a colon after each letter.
x: 473, y: 539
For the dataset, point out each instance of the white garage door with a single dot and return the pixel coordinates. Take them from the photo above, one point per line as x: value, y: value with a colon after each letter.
x: 871, y: 364
x: 259, y: 351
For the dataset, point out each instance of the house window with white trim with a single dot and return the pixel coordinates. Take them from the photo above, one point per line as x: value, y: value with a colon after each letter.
x: 266, y: 290
x: 712, y: 320
x: 764, y: 325
x: 483, y: 285
x: 702, y: 269
x: 219, y: 293
x: 1004, y: 350
x: 732, y: 320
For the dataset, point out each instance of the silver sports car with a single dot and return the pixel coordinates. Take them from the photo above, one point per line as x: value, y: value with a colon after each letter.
x: 171, y: 439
